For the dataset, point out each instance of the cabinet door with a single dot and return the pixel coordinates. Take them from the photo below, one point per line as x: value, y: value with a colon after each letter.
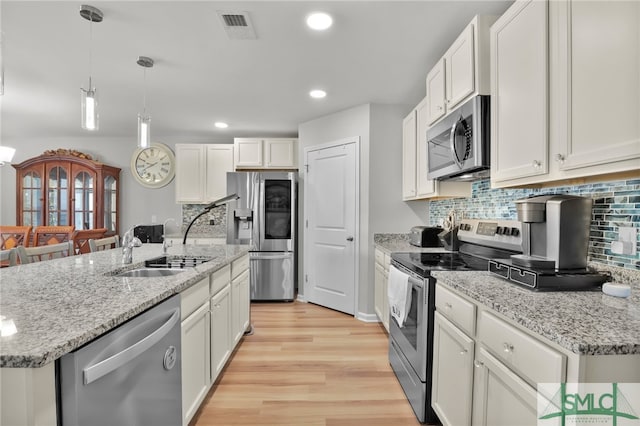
x: 219, y: 162
x: 500, y: 397
x: 459, y: 64
x: 603, y: 71
x: 424, y: 186
x: 195, y: 361
x: 385, y: 299
x: 452, y: 373
x: 57, y: 196
x: 83, y: 198
x: 220, y: 331
x: 409, y: 156
x: 247, y: 152
x: 519, y: 86
x: 280, y: 153
x: 190, y: 172
x: 239, y: 307
x: 436, y: 92
x: 378, y: 282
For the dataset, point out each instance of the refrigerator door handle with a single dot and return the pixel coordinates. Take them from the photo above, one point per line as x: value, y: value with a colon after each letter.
x: 94, y: 372
x: 271, y: 256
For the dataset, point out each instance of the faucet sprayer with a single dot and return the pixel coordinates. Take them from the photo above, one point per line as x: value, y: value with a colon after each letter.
x: 129, y: 241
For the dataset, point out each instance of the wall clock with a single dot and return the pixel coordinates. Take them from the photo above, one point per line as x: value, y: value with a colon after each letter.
x: 154, y: 166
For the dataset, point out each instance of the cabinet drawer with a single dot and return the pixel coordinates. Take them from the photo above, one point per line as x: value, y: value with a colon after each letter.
x: 456, y: 309
x: 531, y: 358
x: 379, y: 257
x: 193, y: 297
x: 239, y: 265
x: 220, y: 278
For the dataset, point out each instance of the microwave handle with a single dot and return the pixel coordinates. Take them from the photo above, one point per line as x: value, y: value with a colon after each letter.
x: 452, y: 142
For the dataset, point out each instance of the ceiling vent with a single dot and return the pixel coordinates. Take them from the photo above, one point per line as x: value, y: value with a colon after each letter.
x: 237, y: 25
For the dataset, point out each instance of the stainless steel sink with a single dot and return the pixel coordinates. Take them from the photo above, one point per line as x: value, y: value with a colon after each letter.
x: 149, y: 272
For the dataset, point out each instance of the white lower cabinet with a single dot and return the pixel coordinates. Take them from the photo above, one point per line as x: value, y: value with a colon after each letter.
x: 381, y: 276
x: 453, y: 353
x: 221, y: 343
x: 240, y: 303
x: 501, y: 397
x: 195, y: 361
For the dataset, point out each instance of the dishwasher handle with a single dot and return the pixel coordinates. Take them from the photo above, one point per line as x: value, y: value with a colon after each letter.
x: 94, y: 372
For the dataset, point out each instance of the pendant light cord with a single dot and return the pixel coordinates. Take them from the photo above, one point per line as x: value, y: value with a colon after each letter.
x: 90, y: 51
x: 144, y: 91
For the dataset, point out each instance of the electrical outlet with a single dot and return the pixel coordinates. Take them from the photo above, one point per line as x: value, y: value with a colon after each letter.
x: 211, y: 222
x: 154, y: 218
x: 627, y: 241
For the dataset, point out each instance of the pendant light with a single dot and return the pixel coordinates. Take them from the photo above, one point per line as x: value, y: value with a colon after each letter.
x: 88, y: 97
x: 144, y: 119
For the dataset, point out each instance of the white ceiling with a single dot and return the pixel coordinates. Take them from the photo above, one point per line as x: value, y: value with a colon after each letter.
x: 376, y: 51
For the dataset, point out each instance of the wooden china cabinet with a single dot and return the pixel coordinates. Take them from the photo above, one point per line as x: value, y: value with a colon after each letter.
x: 67, y: 187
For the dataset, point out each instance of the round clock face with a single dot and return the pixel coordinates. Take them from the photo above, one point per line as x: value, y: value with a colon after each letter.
x: 153, y: 167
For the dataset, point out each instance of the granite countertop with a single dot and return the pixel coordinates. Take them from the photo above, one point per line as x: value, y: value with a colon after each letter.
x: 583, y: 322
x: 59, y: 305
x: 400, y: 243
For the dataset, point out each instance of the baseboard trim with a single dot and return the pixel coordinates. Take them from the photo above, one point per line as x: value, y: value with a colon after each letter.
x: 301, y: 298
x: 367, y: 317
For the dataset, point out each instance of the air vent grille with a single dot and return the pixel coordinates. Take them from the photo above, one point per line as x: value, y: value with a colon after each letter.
x: 234, y: 20
x: 237, y: 25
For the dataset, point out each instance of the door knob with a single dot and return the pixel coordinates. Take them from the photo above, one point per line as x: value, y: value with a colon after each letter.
x: 349, y: 238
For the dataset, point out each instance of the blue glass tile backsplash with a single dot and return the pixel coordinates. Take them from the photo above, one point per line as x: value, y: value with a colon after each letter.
x: 615, y: 204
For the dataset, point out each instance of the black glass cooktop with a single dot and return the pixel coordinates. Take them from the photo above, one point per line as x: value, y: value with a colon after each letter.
x: 423, y: 263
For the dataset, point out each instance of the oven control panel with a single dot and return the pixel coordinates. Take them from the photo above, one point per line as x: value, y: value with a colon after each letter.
x: 505, y: 234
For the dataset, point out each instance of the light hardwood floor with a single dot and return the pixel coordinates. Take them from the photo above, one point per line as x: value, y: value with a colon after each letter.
x: 307, y: 365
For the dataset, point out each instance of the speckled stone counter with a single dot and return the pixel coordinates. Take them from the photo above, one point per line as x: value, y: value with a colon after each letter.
x: 400, y: 243
x: 59, y: 305
x: 585, y: 322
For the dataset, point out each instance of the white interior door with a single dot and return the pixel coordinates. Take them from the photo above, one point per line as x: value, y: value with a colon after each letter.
x: 330, y: 228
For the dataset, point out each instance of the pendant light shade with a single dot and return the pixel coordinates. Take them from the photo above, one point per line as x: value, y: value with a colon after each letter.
x: 88, y: 97
x: 144, y: 119
x: 6, y: 154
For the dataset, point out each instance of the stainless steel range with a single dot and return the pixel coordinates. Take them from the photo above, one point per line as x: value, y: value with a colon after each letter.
x: 410, y: 346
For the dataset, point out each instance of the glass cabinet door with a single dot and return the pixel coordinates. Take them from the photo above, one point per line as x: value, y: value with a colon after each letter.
x: 57, y: 197
x: 31, y: 199
x: 83, y: 205
x: 110, y: 203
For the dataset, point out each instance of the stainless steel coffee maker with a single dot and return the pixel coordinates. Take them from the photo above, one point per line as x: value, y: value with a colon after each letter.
x: 555, y: 232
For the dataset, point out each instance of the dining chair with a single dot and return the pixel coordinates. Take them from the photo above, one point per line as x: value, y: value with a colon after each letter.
x: 104, y: 243
x: 8, y: 257
x: 81, y: 239
x: 44, y: 235
x: 46, y: 252
x: 13, y: 236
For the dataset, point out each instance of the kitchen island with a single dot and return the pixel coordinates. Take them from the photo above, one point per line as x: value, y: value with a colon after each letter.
x: 57, y: 306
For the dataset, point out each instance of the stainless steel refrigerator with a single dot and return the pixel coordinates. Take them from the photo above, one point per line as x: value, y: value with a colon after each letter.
x: 265, y: 217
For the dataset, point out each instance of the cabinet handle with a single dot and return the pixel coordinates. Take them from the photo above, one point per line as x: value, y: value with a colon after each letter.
x: 536, y: 164
x: 508, y: 347
x: 448, y: 305
x: 439, y: 107
x: 560, y: 158
x: 463, y: 352
x: 477, y: 363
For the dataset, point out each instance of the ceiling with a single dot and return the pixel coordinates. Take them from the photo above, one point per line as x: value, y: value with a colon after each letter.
x: 375, y: 52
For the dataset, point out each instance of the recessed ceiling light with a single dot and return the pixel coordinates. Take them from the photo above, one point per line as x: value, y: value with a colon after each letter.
x: 318, y: 94
x: 319, y: 21
x: 220, y: 125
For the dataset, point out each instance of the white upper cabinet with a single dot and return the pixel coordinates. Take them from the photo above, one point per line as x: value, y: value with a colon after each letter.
x: 409, y: 155
x: 565, y: 98
x: 519, y: 87
x: 462, y: 72
x: 201, y: 172
x: 599, y: 77
x: 260, y: 153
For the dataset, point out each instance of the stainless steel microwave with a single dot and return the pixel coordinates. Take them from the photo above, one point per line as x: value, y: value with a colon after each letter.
x: 458, y: 145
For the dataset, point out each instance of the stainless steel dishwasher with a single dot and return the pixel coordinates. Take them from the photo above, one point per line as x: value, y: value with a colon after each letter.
x: 129, y: 376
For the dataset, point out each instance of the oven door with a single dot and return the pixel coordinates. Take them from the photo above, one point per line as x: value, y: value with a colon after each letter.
x: 411, y: 339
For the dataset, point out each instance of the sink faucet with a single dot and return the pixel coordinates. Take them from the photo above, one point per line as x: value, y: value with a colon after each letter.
x: 166, y: 245
x: 129, y: 241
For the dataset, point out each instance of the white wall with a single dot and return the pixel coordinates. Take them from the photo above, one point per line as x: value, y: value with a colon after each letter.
x: 137, y: 203
x: 379, y: 128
